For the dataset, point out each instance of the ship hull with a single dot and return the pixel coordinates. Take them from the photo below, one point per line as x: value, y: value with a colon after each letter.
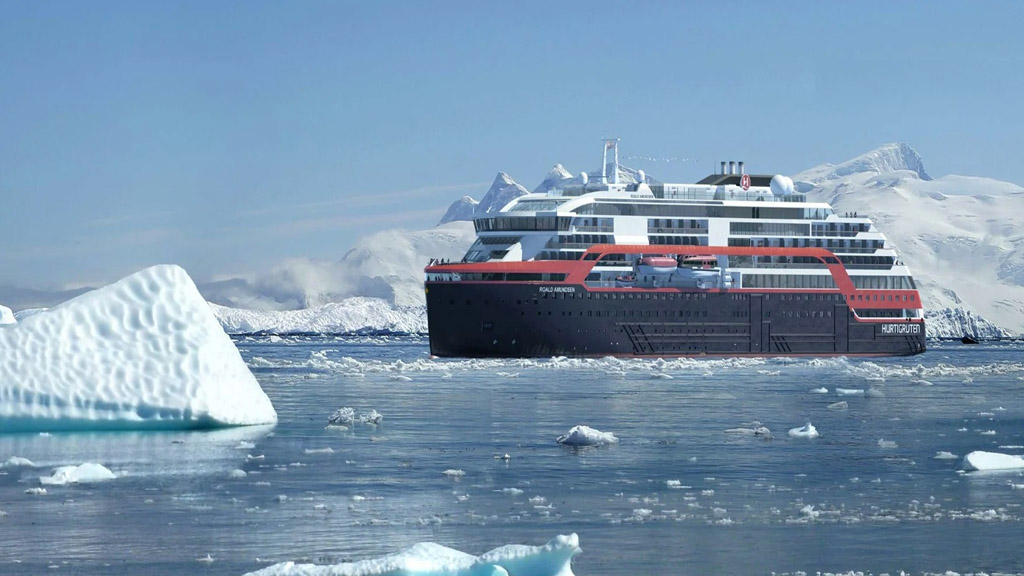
x: 468, y: 319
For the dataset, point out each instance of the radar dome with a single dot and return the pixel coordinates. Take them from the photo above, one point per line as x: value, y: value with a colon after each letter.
x: 641, y: 176
x: 584, y: 178
x: 781, y: 185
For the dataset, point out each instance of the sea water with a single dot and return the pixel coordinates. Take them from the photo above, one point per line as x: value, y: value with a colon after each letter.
x: 689, y: 488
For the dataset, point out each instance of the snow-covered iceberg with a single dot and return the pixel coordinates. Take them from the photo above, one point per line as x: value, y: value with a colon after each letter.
x: 427, y: 558
x: 145, y: 352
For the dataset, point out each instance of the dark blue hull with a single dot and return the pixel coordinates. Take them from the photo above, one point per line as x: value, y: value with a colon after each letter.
x: 509, y: 319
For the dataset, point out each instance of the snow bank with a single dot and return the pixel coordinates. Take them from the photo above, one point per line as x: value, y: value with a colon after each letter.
x: 6, y: 316
x: 86, y: 473
x: 586, y: 436
x: 358, y: 315
x: 979, y: 460
x: 427, y: 558
x: 144, y: 352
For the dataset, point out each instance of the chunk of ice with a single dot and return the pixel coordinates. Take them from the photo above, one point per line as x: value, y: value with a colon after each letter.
x: 86, y: 473
x: 806, y: 431
x: 586, y: 436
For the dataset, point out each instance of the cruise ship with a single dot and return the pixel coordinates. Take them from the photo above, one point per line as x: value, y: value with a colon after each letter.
x: 736, y: 264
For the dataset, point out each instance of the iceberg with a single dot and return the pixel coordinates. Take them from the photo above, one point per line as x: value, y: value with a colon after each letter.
x: 427, y: 558
x: 980, y: 460
x: 586, y: 436
x: 143, y: 353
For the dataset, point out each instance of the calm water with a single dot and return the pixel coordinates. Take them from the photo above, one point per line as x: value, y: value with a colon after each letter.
x: 677, y: 495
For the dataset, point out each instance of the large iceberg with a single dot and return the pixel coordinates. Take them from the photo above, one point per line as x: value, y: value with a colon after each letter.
x: 426, y: 558
x: 980, y: 460
x: 145, y: 352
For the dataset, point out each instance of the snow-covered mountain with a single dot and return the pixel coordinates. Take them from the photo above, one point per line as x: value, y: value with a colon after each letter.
x: 556, y: 177
x: 894, y: 157
x: 462, y: 209
x: 961, y: 236
x: 502, y: 191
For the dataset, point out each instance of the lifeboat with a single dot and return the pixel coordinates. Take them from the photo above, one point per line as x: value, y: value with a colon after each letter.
x: 625, y: 281
x: 656, y: 265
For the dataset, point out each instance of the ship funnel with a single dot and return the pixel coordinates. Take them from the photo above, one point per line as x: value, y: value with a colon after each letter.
x: 723, y: 167
x: 732, y: 167
x: 740, y: 166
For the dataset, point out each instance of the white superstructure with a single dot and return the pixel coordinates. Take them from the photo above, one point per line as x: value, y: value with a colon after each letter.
x: 729, y: 208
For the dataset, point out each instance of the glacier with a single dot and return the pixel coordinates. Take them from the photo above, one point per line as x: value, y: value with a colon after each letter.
x: 356, y: 315
x: 430, y: 559
x: 143, y: 353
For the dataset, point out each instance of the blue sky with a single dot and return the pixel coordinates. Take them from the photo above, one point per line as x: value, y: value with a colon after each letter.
x: 227, y: 136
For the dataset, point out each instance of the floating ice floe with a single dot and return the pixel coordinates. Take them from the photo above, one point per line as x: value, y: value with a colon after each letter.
x: 342, y: 417
x: 144, y: 352
x: 806, y: 431
x: 874, y: 393
x: 427, y: 558
x: 980, y: 461
x: 453, y: 473
x: 586, y: 436
x: 841, y: 405
x: 883, y: 443
x: 849, y: 391
x: 821, y: 390
x: 754, y: 429
x: 943, y: 455
x: 346, y: 417
x: 86, y: 473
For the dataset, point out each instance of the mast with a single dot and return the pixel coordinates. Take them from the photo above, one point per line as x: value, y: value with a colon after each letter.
x: 613, y: 145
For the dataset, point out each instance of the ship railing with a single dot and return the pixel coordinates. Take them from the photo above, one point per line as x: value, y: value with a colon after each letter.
x: 568, y: 245
x: 666, y: 230
x: 578, y: 228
